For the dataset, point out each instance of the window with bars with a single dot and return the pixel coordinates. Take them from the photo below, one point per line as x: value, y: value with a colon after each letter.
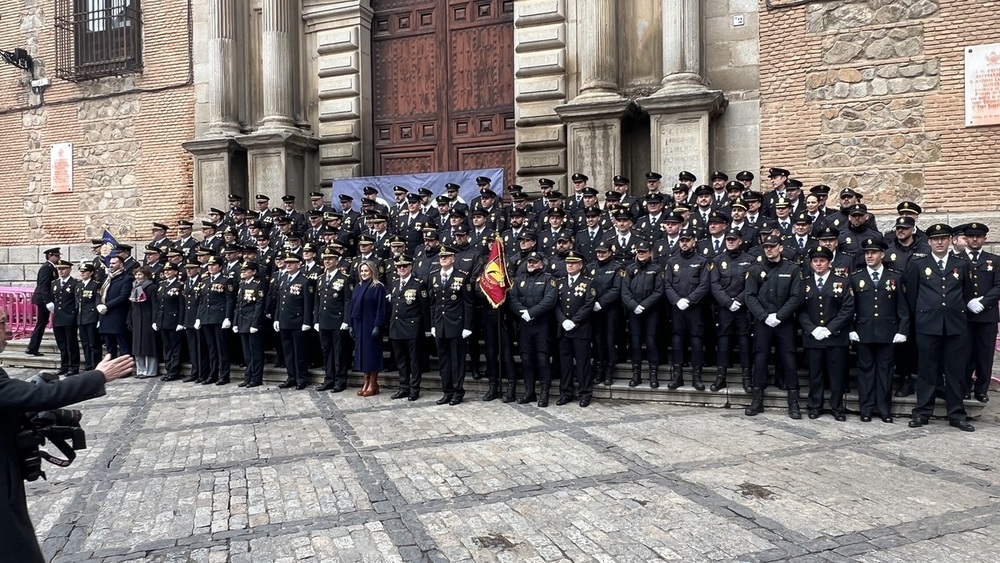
x: 97, y: 38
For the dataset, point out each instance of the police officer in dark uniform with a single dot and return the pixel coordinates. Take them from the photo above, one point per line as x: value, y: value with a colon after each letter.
x: 532, y: 298
x: 409, y: 318
x: 248, y: 316
x: 576, y: 297
x: 293, y: 316
x: 881, y: 318
x: 774, y: 294
x: 642, y: 290
x: 63, y: 307
x: 685, y: 288
x: 825, y: 317
x: 451, y: 324
x: 727, y: 280
x: 88, y: 292
x: 185, y: 242
x: 938, y: 290
x: 333, y: 299
x: 197, y: 353
x: 623, y: 240
x: 169, y: 315
x: 902, y: 248
x: 984, y: 315
x: 41, y: 297
x: 215, y: 309
x: 607, y: 275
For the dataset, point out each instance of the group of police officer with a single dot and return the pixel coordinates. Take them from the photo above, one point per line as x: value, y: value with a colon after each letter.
x: 722, y: 263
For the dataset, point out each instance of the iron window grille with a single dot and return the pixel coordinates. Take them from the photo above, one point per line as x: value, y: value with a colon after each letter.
x: 97, y: 38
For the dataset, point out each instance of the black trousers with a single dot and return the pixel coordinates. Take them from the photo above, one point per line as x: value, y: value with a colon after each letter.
x: 293, y: 344
x: 688, y: 325
x: 218, y: 352
x: 875, y: 378
x: 197, y: 354
x: 253, y: 355
x: 69, y: 348
x: 982, y: 344
x: 171, y: 352
x: 605, y: 330
x: 118, y: 344
x: 827, y: 364
x: 535, y: 351
x: 783, y: 339
x: 408, y: 364
x: 731, y: 324
x: 498, y: 347
x: 39, y: 331
x: 90, y: 341
x: 642, y: 329
x: 451, y: 356
x: 941, y: 355
x: 575, y: 360
x: 334, y: 361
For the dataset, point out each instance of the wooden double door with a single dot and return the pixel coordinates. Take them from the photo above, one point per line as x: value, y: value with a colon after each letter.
x: 443, y: 85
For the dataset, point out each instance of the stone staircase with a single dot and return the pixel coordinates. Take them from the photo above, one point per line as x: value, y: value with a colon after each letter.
x: 731, y: 397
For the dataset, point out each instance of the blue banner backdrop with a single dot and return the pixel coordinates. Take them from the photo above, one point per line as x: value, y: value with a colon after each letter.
x: 434, y: 181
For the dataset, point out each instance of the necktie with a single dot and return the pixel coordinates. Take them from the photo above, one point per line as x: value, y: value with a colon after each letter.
x: 802, y: 243
x: 819, y: 284
x: 975, y: 257
x: 874, y: 277
x: 717, y: 245
x: 941, y: 264
x: 784, y: 225
x: 621, y: 242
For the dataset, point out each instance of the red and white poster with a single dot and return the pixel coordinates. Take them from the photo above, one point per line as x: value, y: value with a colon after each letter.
x: 982, y: 85
x: 62, y: 168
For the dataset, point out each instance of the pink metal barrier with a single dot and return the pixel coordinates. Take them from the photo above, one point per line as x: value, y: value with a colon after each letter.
x: 21, y: 314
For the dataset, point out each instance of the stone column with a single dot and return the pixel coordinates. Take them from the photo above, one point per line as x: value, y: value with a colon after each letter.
x: 277, y: 57
x: 222, y: 52
x: 682, y: 44
x: 598, y: 48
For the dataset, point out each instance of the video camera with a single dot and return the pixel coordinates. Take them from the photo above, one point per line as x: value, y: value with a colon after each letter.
x: 57, y: 426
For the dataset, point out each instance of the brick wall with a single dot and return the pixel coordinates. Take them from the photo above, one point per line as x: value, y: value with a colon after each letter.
x: 870, y: 94
x: 129, y: 168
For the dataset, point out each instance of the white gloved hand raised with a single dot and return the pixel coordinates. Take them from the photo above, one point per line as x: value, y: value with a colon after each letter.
x: 683, y: 303
x: 898, y: 338
x: 568, y: 325
x: 772, y: 320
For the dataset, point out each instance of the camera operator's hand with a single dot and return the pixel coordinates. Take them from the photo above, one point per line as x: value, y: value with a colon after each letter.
x: 113, y: 368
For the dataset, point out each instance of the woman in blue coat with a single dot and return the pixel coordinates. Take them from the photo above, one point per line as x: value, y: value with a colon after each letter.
x: 368, y: 317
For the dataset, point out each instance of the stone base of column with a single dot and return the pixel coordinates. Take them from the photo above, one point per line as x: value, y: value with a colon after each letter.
x: 280, y: 163
x: 219, y: 170
x: 679, y: 129
x: 594, y: 134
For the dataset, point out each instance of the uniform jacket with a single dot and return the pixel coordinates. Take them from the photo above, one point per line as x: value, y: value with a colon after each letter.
x: 248, y: 308
x: 294, y: 305
x: 43, y: 284
x: 169, y: 304
x: 585, y: 242
x: 728, y: 277
x: 575, y: 303
x: 880, y: 310
x: 409, y: 315
x: 643, y: 285
x: 192, y: 295
x: 216, y: 302
x: 87, y: 295
x: 64, y: 298
x: 686, y: 277
x: 607, y: 279
x: 833, y: 308
x: 774, y: 287
x: 332, y: 299
x: 451, y: 304
x: 986, y: 284
x: 536, y: 293
x: 938, y: 299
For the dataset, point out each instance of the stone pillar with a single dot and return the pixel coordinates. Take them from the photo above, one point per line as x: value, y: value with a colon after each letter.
x: 277, y: 57
x: 682, y: 44
x: 598, y: 48
x: 219, y: 170
x: 280, y: 162
x: 222, y: 53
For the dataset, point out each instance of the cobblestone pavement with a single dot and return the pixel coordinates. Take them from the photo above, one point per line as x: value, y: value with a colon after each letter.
x: 178, y: 472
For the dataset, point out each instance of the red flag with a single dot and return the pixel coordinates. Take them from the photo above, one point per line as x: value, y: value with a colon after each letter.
x: 494, y: 281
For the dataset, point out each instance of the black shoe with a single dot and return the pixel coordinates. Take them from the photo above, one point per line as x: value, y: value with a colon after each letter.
x: 510, y: 395
x: 636, y: 377
x: 287, y: 385
x: 585, y: 401
x: 413, y: 397
x: 492, y: 394
x: 917, y: 422
x: 677, y: 378
x: 813, y: 414
x: 455, y: 401
x: 222, y: 382
x: 478, y: 374
x: 962, y: 425
x: 543, y: 400
x: 696, y: 381
x: 443, y: 400
x: 982, y: 398
x: 339, y: 388
x: 209, y: 381
x: 301, y: 387
x: 254, y: 384
x: 756, y: 404
x: 35, y: 353
x: 190, y: 379
x: 529, y: 398
x: 243, y: 384
x: 400, y: 394
x: 887, y: 419
x: 62, y: 371
x: 719, y: 383
x: 562, y: 400
x: 608, y: 381
x: 906, y: 388
x: 866, y: 418
x: 840, y: 417
x: 967, y: 397
x: 325, y: 387
x: 793, y: 406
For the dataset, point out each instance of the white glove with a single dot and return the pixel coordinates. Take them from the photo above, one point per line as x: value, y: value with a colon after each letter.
x: 683, y: 304
x: 277, y: 326
x: 50, y: 306
x: 253, y: 330
x: 772, y: 320
x: 343, y: 326
x: 568, y: 325
x: 597, y: 307
x: 639, y: 309
x: 433, y: 333
x: 236, y: 330
x: 197, y: 324
x: 466, y: 333
x: 976, y: 305
x: 102, y: 308
x: 853, y: 336
x: 305, y: 328
x: 429, y: 334
x: 226, y: 323
x: 735, y: 306
x: 820, y: 332
x: 156, y: 327
x: 316, y: 327
x: 899, y: 338
x: 526, y: 316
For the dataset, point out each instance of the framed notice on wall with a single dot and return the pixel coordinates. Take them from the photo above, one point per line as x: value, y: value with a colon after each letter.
x: 982, y: 85
x: 62, y: 168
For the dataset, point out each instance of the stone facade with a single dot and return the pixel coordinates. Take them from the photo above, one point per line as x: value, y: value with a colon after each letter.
x: 128, y: 165
x: 871, y: 96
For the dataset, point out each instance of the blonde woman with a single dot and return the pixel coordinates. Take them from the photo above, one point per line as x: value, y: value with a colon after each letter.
x: 368, y: 318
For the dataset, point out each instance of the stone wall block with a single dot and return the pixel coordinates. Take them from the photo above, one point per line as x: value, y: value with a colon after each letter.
x: 874, y: 150
x: 845, y: 14
x: 848, y: 83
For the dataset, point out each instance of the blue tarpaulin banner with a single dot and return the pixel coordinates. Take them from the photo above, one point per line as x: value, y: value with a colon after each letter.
x: 433, y: 181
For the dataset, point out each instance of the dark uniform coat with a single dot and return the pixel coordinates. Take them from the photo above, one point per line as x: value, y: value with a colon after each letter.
x: 64, y: 298
x: 410, y: 314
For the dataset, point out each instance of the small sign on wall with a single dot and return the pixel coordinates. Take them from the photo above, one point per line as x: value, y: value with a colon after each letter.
x: 62, y: 168
x: 982, y: 85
